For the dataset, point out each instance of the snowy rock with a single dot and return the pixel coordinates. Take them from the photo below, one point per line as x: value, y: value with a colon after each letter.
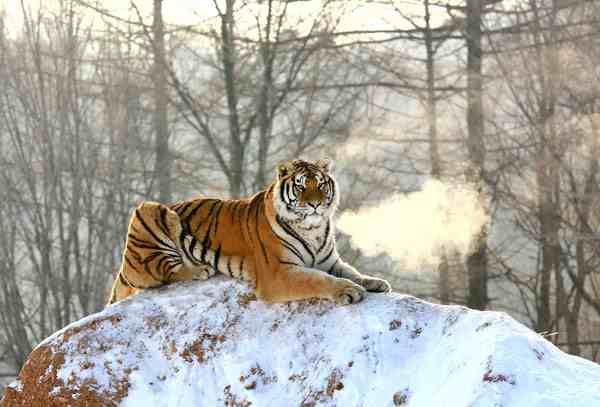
x: 212, y: 344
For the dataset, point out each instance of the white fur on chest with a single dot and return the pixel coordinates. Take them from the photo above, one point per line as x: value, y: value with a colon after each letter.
x: 313, y: 237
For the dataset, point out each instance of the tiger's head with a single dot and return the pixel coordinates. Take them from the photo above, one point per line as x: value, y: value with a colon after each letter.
x: 305, y: 192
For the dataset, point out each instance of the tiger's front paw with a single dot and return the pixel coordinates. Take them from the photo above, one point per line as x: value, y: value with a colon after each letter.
x: 349, y: 293
x: 376, y: 285
x: 203, y: 272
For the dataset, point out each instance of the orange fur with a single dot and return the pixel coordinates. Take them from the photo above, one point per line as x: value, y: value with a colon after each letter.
x: 241, y: 238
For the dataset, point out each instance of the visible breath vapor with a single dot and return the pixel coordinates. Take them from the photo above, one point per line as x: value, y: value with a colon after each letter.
x: 414, y: 227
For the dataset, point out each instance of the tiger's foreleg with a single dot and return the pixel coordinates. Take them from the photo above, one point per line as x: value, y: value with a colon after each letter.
x: 372, y: 284
x: 297, y: 283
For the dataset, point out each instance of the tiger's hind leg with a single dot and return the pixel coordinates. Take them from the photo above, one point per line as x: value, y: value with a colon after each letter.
x: 120, y: 290
x: 192, y: 268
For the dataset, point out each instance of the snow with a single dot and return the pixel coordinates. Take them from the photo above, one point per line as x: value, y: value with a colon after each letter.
x: 205, y: 344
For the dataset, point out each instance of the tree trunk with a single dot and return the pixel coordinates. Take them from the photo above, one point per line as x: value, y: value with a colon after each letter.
x: 162, y: 169
x: 477, y: 260
x: 434, y: 154
x: 547, y: 175
x: 264, y: 105
x: 236, y: 156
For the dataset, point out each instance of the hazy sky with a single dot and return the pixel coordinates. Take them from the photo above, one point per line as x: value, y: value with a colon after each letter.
x: 355, y: 14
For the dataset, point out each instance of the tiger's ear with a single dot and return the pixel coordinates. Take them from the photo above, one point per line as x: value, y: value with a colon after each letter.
x: 326, y: 164
x: 282, y: 170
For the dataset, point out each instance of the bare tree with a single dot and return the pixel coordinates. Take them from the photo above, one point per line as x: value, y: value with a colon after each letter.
x: 162, y: 167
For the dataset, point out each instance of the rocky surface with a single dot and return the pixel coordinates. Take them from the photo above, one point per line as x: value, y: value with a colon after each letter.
x: 212, y: 344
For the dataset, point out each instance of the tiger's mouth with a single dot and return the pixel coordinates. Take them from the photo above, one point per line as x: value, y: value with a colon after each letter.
x: 306, y: 212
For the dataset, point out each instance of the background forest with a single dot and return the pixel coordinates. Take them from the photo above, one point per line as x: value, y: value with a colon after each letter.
x: 104, y: 104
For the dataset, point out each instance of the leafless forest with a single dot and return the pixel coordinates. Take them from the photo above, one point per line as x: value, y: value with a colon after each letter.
x: 101, y: 110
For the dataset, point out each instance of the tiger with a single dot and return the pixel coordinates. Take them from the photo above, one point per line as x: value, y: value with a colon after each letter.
x: 281, y: 241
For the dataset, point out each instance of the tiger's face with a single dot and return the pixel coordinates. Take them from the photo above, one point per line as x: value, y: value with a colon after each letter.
x: 306, y: 192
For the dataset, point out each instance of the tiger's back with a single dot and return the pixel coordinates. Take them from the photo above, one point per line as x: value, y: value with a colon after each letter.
x: 190, y: 240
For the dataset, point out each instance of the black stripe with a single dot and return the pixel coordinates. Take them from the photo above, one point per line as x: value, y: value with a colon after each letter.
x: 291, y: 248
x: 144, y: 245
x: 188, y: 252
x: 168, y: 260
x: 135, y: 254
x: 290, y: 191
x: 169, y: 274
x: 332, y: 188
x: 241, y: 222
x: 247, y: 221
x: 193, y: 244
x: 123, y: 281
x: 241, y: 276
x: 127, y: 282
x: 217, y: 256
x: 216, y: 219
x: 129, y: 262
x: 205, y: 244
x: 162, y: 225
x: 147, y: 270
x: 281, y: 195
x: 199, y: 204
x: 135, y: 239
x: 138, y: 214
x: 181, y: 208
x: 293, y: 233
x: 238, y: 213
x: 289, y: 263
x: 171, y: 266
x: 191, y: 251
x: 260, y: 241
x: 151, y: 257
x: 185, y: 228
x: 182, y: 236
x: 331, y: 268
x: 206, y: 241
x: 328, y: 255
x: 229, y: 266
x: 324, y: 240
x: 233, y: 208
x: 208, y: 217
x: 173, y: 260
x: 160, y: 262
x: 189, y: 218
x: 286, y: 244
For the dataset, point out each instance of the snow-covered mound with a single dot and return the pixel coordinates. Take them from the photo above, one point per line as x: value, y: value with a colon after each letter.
x: 212, y: 344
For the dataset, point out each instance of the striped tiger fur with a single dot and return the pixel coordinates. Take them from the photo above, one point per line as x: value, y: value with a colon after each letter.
x: 281, y: 241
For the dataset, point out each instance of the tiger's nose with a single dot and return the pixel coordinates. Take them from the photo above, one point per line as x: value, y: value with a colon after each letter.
x: 314, y: 204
